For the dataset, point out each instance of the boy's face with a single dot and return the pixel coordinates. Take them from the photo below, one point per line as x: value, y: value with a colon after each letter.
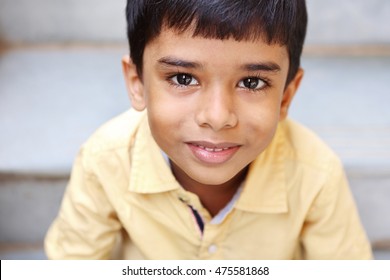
x: 213, y: 105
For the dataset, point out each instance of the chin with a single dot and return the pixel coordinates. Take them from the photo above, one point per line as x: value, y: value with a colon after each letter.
x: 212, y: 179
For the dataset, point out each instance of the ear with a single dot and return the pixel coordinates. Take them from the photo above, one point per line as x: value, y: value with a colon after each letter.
x: 289, y: 94
x: 134, y: 84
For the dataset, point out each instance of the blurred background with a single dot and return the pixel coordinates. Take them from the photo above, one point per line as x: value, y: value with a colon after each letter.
x: 60, y: 79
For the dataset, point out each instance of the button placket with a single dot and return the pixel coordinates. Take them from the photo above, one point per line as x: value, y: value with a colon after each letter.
x: 210, y: 242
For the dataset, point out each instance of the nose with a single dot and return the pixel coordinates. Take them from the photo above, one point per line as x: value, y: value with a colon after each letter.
x: 216, y: 109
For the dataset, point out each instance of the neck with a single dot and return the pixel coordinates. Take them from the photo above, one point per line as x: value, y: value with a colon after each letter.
x: 213, y: 197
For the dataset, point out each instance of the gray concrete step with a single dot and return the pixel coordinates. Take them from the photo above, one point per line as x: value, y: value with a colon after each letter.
x: 53, y: 21
x: 344, y: 99
x: 52, y: 99
x: 28, y: 205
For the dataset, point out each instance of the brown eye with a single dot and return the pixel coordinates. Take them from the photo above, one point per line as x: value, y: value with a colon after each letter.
x: 184, y: 80
x: 251, y: 83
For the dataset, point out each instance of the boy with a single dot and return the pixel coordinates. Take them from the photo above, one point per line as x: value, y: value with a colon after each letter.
x: 206, y: 165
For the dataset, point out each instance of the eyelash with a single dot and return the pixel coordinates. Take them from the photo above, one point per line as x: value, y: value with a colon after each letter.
x: 170, y: 77
x: 267, y: 82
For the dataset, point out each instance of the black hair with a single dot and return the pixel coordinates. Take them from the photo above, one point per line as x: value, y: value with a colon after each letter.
x: 282, y: 22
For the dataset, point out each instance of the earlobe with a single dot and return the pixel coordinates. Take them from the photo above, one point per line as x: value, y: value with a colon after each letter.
x: 289, y: 94
x: 134, y: 84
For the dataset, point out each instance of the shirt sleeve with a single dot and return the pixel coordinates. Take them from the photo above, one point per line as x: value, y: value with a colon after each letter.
x: 86, y: 226
x: 332, y: 229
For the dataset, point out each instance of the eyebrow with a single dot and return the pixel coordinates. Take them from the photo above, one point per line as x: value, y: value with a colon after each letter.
x: 172, y: 61
x: 177, y: 62
x: 262, y: 66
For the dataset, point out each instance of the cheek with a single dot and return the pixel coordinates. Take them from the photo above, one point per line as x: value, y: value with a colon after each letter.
x: 166, y: 116
x: 162, y: 129
x: 165, y: 106
x: 261, y: 123
x: 161, y: 120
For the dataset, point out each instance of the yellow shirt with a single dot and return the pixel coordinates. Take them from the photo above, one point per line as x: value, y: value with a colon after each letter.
x: 295, y: 203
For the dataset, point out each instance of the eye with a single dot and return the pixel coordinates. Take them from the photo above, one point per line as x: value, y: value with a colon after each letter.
x: 252, y: 83
x: 184, y: 80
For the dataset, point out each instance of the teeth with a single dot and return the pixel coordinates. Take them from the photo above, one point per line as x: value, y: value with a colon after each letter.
x: 212, y: 149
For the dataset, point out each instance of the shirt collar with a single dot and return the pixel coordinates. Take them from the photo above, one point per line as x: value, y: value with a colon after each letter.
x: 149, y: 171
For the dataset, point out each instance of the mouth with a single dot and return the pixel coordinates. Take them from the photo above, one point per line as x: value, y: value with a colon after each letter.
x: 213, y: 153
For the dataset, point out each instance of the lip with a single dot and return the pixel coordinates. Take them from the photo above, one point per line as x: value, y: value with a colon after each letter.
x: 213, y: 153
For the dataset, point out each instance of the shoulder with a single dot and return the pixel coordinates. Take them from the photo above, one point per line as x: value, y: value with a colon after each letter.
x: 311, y: 167
x: 306, y: 147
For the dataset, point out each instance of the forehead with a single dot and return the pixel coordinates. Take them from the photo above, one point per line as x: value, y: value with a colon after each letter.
x: 225, y: 52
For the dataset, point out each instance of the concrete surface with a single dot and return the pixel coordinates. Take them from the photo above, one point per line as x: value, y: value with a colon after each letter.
x: 27, y: 207
x: 25, y: 21
x: 51, y: 101
x: 345, y: 100
x: 348, y: 22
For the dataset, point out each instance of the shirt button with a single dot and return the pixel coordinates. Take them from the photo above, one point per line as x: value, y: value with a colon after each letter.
x: 213, y: 248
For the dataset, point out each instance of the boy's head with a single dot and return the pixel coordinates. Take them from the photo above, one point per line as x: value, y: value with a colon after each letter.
x: 280, y: 22
x: 216, y: 77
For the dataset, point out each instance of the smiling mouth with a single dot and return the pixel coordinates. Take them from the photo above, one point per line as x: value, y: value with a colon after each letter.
x: 211, y: 153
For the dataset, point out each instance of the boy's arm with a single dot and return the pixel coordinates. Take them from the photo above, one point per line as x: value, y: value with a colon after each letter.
x: 332, y: 229
x: 87, y: 226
